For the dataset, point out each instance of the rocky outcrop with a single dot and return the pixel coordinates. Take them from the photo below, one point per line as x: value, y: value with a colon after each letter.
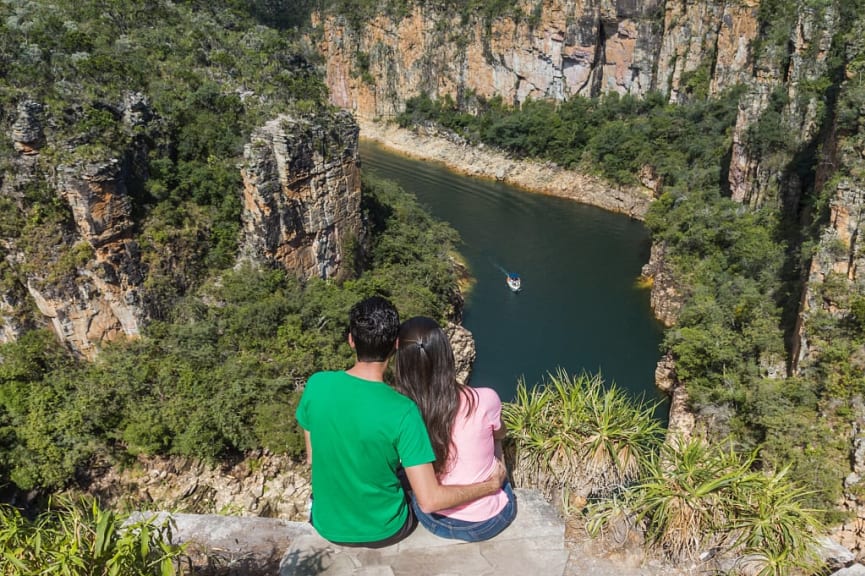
x: 757, y: 169
x: 27, y: 132
x: 106, y: 302
x: 666, y: 298
x: 465, y: 352
x: 262, y: 484
x: 301, y: 197
x: 682, y: 421
x: 85, y: 274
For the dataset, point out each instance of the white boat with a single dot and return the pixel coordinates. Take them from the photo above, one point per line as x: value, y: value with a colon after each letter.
x: 513, y: 281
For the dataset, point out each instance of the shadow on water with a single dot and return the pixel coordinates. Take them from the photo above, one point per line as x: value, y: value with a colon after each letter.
x: 580, y: 307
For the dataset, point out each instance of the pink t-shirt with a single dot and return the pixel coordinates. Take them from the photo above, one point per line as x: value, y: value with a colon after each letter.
x: 475, y: 454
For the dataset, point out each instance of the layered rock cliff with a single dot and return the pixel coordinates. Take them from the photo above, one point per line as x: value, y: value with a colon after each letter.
x: 561, y: 48
x: 72, y: 247
x: 301, y: 197
x: 71, y: 228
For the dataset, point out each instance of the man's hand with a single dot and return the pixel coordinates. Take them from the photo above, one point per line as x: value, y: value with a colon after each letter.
x: 432, y: 496
x: 499, y: 474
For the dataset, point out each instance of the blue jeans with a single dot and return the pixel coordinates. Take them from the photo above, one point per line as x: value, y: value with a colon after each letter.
x: 446, y: 527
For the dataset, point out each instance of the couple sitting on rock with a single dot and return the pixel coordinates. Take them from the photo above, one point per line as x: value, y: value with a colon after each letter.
x: 385, y: 458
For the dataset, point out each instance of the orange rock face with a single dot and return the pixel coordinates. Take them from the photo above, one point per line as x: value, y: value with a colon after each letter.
x: 556, y: 50
x: 301, y: 194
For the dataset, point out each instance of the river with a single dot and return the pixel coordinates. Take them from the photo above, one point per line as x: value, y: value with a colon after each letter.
x: 580, y: 308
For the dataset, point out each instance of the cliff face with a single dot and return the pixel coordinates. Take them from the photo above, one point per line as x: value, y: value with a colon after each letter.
x: 563, y: 48
x: 301, y: 196
x: 69, y: 234
x: 76, y: 257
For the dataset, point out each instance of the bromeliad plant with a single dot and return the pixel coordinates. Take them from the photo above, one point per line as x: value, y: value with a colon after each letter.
x: 699, y: 500
x: 575, y: 436
x: 78, y: 538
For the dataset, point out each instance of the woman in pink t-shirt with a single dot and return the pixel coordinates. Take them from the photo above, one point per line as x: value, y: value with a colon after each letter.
x: 465, y: 429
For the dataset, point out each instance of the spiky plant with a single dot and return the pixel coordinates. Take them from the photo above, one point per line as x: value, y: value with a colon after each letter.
x: 772, y: 526
x: 698, y: 497
x: 686, y: 499
x: 576, y: 435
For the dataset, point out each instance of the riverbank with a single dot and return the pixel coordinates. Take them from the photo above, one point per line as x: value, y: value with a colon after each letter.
x: 485, y: 162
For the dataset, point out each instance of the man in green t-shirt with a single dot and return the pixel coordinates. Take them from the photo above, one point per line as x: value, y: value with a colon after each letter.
x: 362, y: 432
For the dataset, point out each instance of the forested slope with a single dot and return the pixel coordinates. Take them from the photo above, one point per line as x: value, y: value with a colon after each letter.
x: 130, y: 324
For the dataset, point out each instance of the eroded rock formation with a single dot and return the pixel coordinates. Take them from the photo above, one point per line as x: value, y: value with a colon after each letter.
x: 81, y: 267
x: 301, y: 197
x: 262, y: 484
x: 565, y: 48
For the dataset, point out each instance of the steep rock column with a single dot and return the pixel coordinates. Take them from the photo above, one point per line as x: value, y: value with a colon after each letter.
x: 101, y: 301
x: 711, y: 39
x: 85, y: 274
x: 301, y: 197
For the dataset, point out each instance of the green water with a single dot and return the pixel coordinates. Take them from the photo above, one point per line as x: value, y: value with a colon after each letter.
x: 580, y: 307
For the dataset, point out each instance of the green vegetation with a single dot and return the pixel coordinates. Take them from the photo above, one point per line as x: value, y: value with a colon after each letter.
x: 221, y: 374
x: 697, y: 497
x: 739, y: 269
x: 577, y: 440
x: 173, y: 90
x: 78, y: 538
x: 616, y: 136
x: 576, y: 437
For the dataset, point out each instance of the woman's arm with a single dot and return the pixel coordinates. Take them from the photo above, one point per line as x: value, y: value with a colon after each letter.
x: 432, y: 496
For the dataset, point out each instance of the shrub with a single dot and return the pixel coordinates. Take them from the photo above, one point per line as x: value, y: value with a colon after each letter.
x: 78, y: 538
x: 573, y: 434
x: 698, y: 498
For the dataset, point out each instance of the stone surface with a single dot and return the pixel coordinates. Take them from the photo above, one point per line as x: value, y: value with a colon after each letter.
x: 854, y: 570
x: 533, y: 544
x: 665, y: 299
x: 465, y: 352
x: 232, y: 544
x: 27, y: 132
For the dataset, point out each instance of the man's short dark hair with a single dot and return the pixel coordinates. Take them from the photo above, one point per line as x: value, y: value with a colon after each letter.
x: 374, y: 324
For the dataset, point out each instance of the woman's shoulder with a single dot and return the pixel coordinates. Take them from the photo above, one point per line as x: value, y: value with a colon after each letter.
x: 486, y: 395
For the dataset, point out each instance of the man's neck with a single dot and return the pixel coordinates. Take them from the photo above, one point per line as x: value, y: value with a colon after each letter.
x: 372, y: 371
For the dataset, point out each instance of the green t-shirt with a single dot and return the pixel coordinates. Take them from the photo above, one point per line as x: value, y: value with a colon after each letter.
x: 360, y: 431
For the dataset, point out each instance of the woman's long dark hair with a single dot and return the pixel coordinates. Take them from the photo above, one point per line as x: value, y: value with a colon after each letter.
x: 426, y: 373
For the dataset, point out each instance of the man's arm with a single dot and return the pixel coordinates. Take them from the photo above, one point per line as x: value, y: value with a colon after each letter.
x: 308, y: 447
x: 501, y: 432
x: 432, y: 496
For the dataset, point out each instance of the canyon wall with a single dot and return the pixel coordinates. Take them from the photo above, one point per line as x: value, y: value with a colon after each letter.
x: 557, y: 49
x: 73, y: 218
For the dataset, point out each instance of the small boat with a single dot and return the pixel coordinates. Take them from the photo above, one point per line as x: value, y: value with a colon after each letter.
x: 513, y: 281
